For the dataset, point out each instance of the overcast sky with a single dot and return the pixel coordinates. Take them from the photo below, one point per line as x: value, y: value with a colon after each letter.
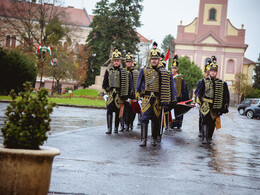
x: 161, y: 17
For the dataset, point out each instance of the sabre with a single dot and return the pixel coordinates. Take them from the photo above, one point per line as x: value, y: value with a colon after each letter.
x: 161, y: 126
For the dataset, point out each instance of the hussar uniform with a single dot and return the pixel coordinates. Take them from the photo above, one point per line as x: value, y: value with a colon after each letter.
x: 206, y: 72
x: 128, y: 113
x: 182, y: 92
x: 117, y: 85
x: 213, y: 96
x: 156, y: 86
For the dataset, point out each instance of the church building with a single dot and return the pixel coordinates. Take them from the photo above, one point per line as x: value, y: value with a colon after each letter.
x: 211, y: 33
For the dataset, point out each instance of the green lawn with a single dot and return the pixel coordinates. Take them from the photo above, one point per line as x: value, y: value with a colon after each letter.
x: 84, y: 92
x: 79, y: 101
x: 6, y: 98
x: 70, y: 101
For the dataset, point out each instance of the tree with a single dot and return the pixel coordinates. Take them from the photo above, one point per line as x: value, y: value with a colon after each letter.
x: 66, y: 68
x: 168, y: 43
x: 257, y: 74
x: 113, y: 26
x: 190, y: 71
x: 241, y: 86
x: 16, y: 68
x: 83, y: 56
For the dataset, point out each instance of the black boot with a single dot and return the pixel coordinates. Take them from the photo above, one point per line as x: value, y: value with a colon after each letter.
x: 109, y: 123
x: 139, y: 119
x: 204, y: 134
x: 200, y: 127
x: 155, y: 133
x: 116, y: 123
x: 211, y: 131
x: 132, y: 121
x: 127, y: 121
x: 122, y: 124
x: 144, y: 130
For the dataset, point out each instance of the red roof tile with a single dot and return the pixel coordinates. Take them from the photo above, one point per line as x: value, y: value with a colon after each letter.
x: 143, y: 39
x: 74, y: 16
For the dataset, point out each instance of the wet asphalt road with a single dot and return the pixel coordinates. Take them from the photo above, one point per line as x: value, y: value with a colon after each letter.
x: 92, y: 162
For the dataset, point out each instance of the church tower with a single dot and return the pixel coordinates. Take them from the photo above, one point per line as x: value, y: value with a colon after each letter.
x: 212, y: 16
x: 211, y: 33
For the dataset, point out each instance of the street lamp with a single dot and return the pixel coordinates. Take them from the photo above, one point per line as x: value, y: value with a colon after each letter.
x: 43, y: 49
x: 54, y: 63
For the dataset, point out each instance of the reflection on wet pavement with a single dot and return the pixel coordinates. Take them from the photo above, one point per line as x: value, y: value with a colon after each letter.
x: 235, y: 149
x: 69, y: 118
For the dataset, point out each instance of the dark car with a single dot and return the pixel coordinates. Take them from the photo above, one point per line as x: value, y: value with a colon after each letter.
x: 253, y: 111
x: 241, y: 107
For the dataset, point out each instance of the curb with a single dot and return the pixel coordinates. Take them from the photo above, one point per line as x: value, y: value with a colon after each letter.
x: 67, y: 105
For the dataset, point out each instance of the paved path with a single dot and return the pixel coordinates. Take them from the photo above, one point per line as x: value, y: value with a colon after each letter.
x: 92, y: 162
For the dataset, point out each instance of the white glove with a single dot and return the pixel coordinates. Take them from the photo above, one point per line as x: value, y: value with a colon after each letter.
x: 105, y: 97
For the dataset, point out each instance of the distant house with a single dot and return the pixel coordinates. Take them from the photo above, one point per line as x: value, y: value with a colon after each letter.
x: 211, y: 33
x: 76, y: 19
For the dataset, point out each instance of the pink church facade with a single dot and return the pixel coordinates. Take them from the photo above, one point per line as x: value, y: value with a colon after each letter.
x: 211, y: 33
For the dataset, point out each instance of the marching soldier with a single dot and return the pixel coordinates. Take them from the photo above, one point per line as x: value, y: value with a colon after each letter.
x: 182, y: 91
x: 128, y: 113
x: 118, y: 86
x: 134, y: 76
x: 213, y: 96
x: 157, y: 88
x: 206, y: 74
x: 163, y: 65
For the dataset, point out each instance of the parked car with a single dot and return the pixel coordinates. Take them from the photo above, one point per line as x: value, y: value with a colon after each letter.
x: 253, y: 111
x: 241, y: 107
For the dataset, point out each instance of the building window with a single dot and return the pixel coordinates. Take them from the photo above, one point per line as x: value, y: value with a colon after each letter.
x: 13, y: 41
x: 8, y: 40
x: 212, y: 14
x: 76, y: 49
x: 230, y: 66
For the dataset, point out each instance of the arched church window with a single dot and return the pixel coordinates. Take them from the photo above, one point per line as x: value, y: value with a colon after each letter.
x: 230, y: 66
x: 212, y: 14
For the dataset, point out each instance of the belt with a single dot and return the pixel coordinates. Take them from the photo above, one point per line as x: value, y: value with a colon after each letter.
x: 207, y: 100
x: 114, y: 90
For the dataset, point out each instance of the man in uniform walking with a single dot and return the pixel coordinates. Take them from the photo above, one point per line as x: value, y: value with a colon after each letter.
x: 213, y: 96
x: 206, y: 74
x: 157, y: 88
x: 181, y: 88
x: 117, y: 85
x: 128, y: 113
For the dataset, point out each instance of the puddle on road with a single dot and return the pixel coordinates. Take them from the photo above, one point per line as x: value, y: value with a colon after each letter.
x: 69, y: 118
x: 235, y: 149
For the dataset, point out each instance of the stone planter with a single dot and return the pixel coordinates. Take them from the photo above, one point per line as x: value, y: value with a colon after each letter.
x: 25, y: 171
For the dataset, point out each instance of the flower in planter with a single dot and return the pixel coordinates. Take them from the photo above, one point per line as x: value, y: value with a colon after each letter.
x: 28, y: 120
